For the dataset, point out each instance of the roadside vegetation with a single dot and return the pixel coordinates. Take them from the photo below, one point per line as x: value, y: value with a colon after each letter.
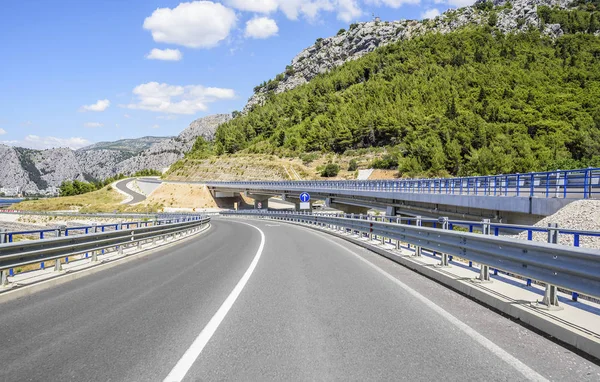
x: 77, y: 187
x: 103, y: 200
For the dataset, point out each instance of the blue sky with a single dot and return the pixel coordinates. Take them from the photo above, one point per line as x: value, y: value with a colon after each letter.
x: 76, y: 72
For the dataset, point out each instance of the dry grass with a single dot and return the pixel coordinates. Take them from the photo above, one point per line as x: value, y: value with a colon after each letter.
x: 181, y: 196
x: 104, y: 200
x: 384, y: 174
x: 269, y: 167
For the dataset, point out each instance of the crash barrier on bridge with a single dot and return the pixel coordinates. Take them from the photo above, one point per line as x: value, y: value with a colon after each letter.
x: 573, y: 184
x: 572, y: 268
x: 22, y: 253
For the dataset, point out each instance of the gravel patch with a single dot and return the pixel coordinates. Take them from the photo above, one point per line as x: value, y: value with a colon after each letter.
x: 582, y: 215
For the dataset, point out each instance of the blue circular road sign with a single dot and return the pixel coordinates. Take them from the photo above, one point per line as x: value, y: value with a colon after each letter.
x: 304, y: 197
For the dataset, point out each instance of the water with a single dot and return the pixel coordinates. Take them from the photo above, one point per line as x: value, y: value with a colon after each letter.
x: 5, y: 202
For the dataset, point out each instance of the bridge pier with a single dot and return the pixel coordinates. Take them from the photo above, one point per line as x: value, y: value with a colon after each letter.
x: 347, y: 208
x: 391, y: 211
x: 261, y: 202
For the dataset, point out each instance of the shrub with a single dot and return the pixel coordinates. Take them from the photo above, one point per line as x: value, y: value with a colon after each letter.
x: 388, y: 162
x: 330, y: 170
x: 353, y: 165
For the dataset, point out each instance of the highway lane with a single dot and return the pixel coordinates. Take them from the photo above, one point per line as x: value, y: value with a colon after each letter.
x: 136, y: 196
x: 130, y: 323
x: 315, y: 308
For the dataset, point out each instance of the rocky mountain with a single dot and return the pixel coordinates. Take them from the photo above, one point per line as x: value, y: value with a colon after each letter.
x: 161, y: 155
x: 35, y: 170
x: 363, y: 38
x: 132, y: 146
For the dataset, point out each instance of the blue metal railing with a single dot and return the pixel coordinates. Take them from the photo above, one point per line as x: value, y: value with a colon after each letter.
x: 574, y: 184
x: 9, y: 236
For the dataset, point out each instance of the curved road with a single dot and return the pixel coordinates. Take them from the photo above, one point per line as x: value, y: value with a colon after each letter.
x: 136, y: 196
x: 308, y: 307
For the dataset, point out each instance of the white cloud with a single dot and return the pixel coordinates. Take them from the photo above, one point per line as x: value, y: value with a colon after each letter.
x: 309, y: 8
x: 165, y: 54
x: 460, y: 3
x: 258, y: 6
x: 175, y: 99
x: 2, y: 131
x: 392, y: 3
x: 199, y: 24
x: 261, y: 27
x: 349, y: 10
x: 41, y: 143
x: 156, y: 126
x: 92, y: 125
x: 430, y: 14
x: 101, y: 105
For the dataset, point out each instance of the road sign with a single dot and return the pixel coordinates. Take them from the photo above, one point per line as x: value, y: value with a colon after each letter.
x: 304, y: 205
x: 259, y: 205
x: 305, y: 197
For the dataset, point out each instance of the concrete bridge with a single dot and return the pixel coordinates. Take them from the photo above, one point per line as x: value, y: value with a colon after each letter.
x: 515, y: 198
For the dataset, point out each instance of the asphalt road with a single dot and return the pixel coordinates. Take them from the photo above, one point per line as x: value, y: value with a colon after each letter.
x: 136, y: 196
x: 313, y: 308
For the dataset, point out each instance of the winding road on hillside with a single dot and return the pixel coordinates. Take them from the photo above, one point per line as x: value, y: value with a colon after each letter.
x: 255, y: 300
x: 136, y: 197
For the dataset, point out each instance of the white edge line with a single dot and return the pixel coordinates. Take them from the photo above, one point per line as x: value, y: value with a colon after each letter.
x: 193, y: 352
x: 492, y: 347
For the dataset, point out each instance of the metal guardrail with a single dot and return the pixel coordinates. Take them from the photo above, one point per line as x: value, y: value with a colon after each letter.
x: 575, y: 269
x: 37, y: 251
x: 81, y: 214
x: 497, y: 229
x: 572, y: 184
x: 8, y: 236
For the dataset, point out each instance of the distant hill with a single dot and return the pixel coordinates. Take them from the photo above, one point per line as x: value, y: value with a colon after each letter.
x: 34, y: 170
x: 132, y: 146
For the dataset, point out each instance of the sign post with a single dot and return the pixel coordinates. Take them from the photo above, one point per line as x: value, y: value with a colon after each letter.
x: 305, y: 201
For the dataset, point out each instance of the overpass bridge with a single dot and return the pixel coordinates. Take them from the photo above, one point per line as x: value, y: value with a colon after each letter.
x: 514, y: 198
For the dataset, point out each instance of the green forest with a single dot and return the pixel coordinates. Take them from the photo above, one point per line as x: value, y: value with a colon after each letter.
x: 471, y: 102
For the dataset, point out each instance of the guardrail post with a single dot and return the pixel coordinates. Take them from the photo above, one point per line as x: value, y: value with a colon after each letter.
x: 4, y: 280
x: 484, y: 271
x: 57, y: 266
x: 398, y: 245
x: 444, y: 261
x: 2, y: 235
x: 94, y: 256
x: 550, y: 300
x: 418, y: 249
